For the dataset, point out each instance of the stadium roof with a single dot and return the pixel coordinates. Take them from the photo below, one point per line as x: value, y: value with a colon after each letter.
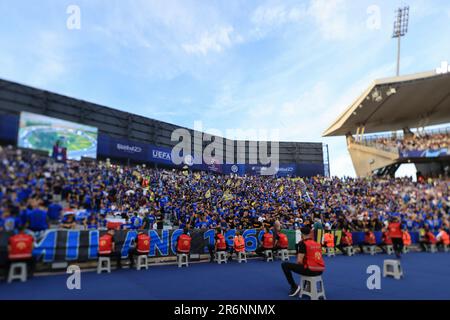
x: 417, y: 100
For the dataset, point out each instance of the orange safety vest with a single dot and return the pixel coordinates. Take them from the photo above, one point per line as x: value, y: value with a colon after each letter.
x: 328, y: 240
x: 21, y: 247
x: 143, y: 243
x: 313, y: 259
x: 387, y: 238
x: 184, y: 244
x: 221, y: 243
x: 283, y: 242
x: 370, y: 238
x: 268, y: 241
x: 105, y: 244
x: 395, y: 230
x: 406, y: 238
x: 430, y: 237
x: 347, y: 239
x: 239, y: 244
x: 445, y: 238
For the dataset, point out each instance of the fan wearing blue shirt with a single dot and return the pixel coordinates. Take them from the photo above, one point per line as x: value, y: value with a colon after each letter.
x: 136, y: 222
x: 37, y: 218
x: 54, y: 212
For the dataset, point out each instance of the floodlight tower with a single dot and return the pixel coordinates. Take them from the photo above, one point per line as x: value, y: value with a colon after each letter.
x: 400, y: 29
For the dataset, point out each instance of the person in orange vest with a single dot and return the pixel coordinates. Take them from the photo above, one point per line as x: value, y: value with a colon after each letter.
x: 427, y: 239
x: 406, y: 238
x: 385, y: 240
x: 310, y: 262
x: 328, y: 239
x: 369, y: 240
x: 396, y: 235
x: 107, y: 247
x: 282, y: 242
x: 238, y: 243
x: 212, y: 248
x: 442, y: 238
x: 20, y: 249
x: 141, y: 248
x: 267, y: 243
x: 346, y: 240
x: 184, y: 242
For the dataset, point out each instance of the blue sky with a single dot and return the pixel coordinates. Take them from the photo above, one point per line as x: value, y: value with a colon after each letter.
x: 287, y: 65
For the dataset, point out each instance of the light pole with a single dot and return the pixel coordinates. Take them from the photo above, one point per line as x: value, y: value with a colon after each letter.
x: 400, y: 29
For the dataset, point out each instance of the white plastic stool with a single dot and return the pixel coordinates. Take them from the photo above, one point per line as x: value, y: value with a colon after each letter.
x: 242, y: 257
x: 370, y: 249
x: 183, y: 260
x: 104, y: 264
x: 312, y: 287
x: 390, y: 250
x: 331, y: 252
x: 350, y: 251
x: 269, y: 255
x: 284, y: 254
x: 392, y: 268
x: 142, y: 262
x: 431, y: 248
x: 221, y: 256
x: 405, y: 249
x: 21, y: 275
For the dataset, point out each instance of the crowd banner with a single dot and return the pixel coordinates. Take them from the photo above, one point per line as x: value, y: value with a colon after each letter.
x: 81, y: 246
x: 428, y: 153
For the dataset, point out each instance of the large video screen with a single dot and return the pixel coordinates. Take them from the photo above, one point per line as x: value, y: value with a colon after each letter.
x: 40, y: 132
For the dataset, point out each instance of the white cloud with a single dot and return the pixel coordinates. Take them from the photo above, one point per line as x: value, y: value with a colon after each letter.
x: 216, y: 41
x: 276, y: 15
x: 50, y: 62
x: 330, y: 18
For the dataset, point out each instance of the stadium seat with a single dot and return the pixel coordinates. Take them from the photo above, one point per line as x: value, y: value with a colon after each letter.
x: 392, y: 268
x: 221, y: 256
x: 269, y: 255
x: 283, y: 254
x: 242, y: 257
x: 17, y: 271
x: 390, y: 250
x: 142, y: 262
x: 350, y: 251
x: 312, y: 287
x: 431, y: 248
x: 331, y: 252
x: 370, y: 249
x: 104, y: 264
x: 182, y: 260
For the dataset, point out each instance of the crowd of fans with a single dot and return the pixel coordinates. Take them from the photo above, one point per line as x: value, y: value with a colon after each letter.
x: 412, y: 142
x: 38, y: 193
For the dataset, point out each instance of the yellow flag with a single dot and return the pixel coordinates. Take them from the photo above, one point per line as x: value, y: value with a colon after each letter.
x: 208, y: 194
x: 227, y: 196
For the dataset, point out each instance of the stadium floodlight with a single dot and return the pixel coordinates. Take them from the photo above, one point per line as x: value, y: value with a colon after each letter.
x: 391, y: 91
x: 400, y: 30
x: 376, y: 96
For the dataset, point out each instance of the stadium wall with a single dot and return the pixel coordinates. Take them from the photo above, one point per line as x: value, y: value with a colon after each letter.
x: 151, y: 137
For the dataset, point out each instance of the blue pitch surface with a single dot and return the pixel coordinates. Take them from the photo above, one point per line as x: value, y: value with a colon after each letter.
x: 427, y: 276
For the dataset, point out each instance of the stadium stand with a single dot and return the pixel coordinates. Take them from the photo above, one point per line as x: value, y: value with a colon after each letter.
x: 398, y: 105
